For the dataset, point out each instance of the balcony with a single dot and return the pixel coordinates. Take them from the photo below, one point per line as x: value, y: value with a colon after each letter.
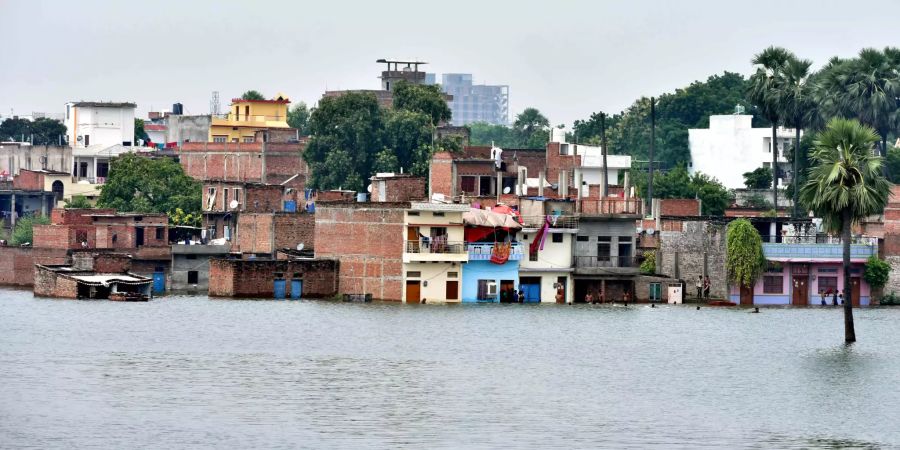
x: 92, y: 180
x: 611, y: 206
x: 816, y: 248
x: 558, y: 222
x: 441, y: 251
x: 241, y: 119
x: 607, y: 265
x: 483, y: 252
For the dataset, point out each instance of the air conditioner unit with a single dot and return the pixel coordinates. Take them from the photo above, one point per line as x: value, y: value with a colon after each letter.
x: 492, y: 288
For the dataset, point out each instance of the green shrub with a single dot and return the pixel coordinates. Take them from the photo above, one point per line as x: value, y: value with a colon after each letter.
x: 877, y: 271
x: 648, y: 266
x: 24, y: 231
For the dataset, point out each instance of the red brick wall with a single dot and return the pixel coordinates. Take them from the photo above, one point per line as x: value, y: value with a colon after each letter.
x: 29, y: 181
x: 368, y: 242
x: 256, y: 278
x: 17, y: 263
x: 242, y: 162
x: 400, y: 189
x: 60, y: 216
x: 335, y: 196
x: 892, y: 224
x: 679, y: 207
x: 292, y: 229
x: 557, y: 162
x: 49, y: 284
x: 112, y: 263
x: 442, y: 174
x: 254, y: 233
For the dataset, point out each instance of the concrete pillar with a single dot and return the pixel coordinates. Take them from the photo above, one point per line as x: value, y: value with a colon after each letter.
x: 627, y: 183
x: 499, y: 185
x: 772, y: 233
x: 541, y: 177
x: 12, y: 210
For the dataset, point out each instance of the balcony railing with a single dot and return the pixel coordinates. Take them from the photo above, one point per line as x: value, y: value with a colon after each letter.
x: 251, y: 118
x: 817, y: 239
x: 435, y: 247
x: 611, y: 205
x: 569, y: 222
x: 812, y: 248
x: 92, y: 180
x: 483, y: 252
x: 606, y: 261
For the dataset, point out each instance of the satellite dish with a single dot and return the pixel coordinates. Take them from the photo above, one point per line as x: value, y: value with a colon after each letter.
x: 639, y: 230
x: 650, y: 231
x: 233, y: 204
x: 80, y: 138
x: 369, y: 188
x: 300, y: 246
x: 506, y: 190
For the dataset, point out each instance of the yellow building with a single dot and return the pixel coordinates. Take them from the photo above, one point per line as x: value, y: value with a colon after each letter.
x: 246, y: 117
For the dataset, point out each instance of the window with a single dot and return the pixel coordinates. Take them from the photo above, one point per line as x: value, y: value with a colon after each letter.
x: 279, y: 275
x: 102, y: 169
x: 225, y: 198
x: 220, y: 138
x: 191, y: 256
x: 193, y: 276
x: 603, y: 248
x: 437, y: 214
x: 467, y: 185
x: 87, y: 140
x: 438, y: 232
x: 82, y: 170
x: 486, y: 187
x: 483, y: 290
x: 452, y: 274
x: 827, y: 283
x: 828, y: 270
x: 582, y: 238
x: 413, y: 213
x: 248, y: 140
x: 655, y: 292
x: 237, y: 195
x: 563, y: 149
x: 533, y: 255
x: 773, y: 284
x: 413, y: 274
x: 159, y: 233
x: 557, y: 237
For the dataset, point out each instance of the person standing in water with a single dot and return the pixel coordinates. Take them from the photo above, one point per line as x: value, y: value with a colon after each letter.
x: 700, y: 286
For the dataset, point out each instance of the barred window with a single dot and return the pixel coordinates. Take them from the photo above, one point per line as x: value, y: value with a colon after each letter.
x: 773, y: 284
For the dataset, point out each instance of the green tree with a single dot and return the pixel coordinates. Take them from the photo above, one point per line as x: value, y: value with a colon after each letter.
x: 877, y: 272
x: 744, y: 258
x: 482, y: 133
x: 760, y: 178
x: 253, y: 95
x: 78, y: 202
x: 139, y: 132
x: 404, y: 132
x: 845, y: 185
x: 298, y: 117
x: 764, y: 92
x: 533, y: 128
x: 140, y: 184
x: 42, y: 131
x: 798, y: 108
x: 648, y: 265
x: 181, y: 218
x: 427, y: 99
x: 15, y: 129
x: 346, y: 135
x: 23, y: 233
x: 714, y: 197
x: 677, y: 183
x: 386, y: 161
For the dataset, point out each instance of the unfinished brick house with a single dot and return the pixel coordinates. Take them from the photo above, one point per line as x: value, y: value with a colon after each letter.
x: 92, y: 276
x: 143, y: 236
x: 485, y: 175
x: 368, y: 241
x: 268, y: 278
x: 397, y: 187
x: 224, y: 200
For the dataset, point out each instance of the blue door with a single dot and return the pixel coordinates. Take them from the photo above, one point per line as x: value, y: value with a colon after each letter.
x: 296, y: 288
x: 532, y: 292
x: 279, y: 289
x: 159, y: 282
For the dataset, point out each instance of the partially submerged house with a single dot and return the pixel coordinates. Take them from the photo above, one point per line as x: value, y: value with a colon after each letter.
x: 92, y: 276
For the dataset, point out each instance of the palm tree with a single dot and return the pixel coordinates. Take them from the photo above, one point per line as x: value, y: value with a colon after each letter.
x: 845, y: 185
x: 530, y: 121
x: 866, y: 87
x: 763, y: 92
x: 797, y: 106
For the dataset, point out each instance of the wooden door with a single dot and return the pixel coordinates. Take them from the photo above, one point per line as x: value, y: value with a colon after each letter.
x: 800, y: 295
x: 452, y: 290
x: 854, y: 290
x: 746, y: 295
x: 412, y: 240
x: 413, y: 292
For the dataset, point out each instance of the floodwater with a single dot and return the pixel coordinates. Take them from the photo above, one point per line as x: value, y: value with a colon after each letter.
x: 193, y: 372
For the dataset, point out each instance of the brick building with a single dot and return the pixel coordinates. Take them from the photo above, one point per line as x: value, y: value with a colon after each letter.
x: 17, y: 263
x: 481, y: 174
x: 265, y: 233
x: 223, y: 201
x: 267, y: 278
x: 368, y: 241
x: 253, y: 162
x: 393, y: 187
x: 91, y: 275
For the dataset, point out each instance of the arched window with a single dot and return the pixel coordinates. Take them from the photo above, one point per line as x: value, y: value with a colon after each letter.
x: 57, y: 189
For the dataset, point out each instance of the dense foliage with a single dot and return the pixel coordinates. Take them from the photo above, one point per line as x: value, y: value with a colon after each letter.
x: 78, y: 202
x: 744, y: 258
x: 648, y: 265
x: 678, y: 183
x: 530, y: 129
x: 760, y: 178
x: 23, y: 233
x: 140, y: 184
x: 298, y: 117
x: 139, y: 132
x: 44, y: 131
x: 253, y: 95
x: 877, y: 272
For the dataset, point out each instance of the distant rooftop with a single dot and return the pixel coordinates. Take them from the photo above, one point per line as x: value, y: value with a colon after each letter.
x: 106, y: 104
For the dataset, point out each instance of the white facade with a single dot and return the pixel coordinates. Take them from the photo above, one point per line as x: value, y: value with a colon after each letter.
x: 731, y: 146
x: 91, y: 164
x: 552, y: 264
x: 591, y: 170
x: 90, y: 124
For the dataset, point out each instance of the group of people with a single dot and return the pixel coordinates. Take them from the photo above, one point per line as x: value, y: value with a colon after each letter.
x: 598, y: 297
x: 512, y: 296
x: 703, y: 286
x: 837, y: 298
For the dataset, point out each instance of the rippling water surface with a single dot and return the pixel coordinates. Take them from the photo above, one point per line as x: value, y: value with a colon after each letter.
x: 193, y: 372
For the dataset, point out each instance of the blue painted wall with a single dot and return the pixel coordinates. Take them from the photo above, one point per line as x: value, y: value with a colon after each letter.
x: 485, y: 270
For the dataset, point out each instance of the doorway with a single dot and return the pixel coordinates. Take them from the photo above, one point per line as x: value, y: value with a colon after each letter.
x: 139, y: 236
x: 531, y: 288
x: 746, y: 295
x: 800, y: 295
x: 854, y: 290
x: 452, y: 290
x: 506, y: 290
x: 413, y: 291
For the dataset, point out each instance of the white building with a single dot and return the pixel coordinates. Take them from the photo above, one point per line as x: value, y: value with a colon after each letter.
x: 544, y: 273
x: 99, y: 124
x: 590, y: 171
x: 731, y: 146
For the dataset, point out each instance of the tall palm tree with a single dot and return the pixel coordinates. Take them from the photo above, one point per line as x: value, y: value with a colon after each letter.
x: 763, y: 92
x: 797, y: 107
x: 845, y: 185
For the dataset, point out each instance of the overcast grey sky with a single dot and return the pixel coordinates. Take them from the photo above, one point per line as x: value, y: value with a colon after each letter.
x: 567, y: 58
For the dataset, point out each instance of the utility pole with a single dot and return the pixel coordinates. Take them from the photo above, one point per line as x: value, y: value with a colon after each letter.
x: 603, y: 152
x: 652, y: 147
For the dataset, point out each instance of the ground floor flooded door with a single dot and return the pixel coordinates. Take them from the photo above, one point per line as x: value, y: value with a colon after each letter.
x: 531, y: 288
x: 296, y: 288
x: 854, y: 290
x: 452, y: 289
x: 279, y: 288
x: 413, y: 291
x: 800, y: 294
x: 746, y: 295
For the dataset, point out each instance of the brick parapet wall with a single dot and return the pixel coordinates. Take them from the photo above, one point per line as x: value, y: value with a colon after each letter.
x: 256, y: 278
x: 17, y: 263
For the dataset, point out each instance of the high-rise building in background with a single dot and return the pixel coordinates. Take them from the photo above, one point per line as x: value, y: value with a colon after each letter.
x: 474, y: 102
